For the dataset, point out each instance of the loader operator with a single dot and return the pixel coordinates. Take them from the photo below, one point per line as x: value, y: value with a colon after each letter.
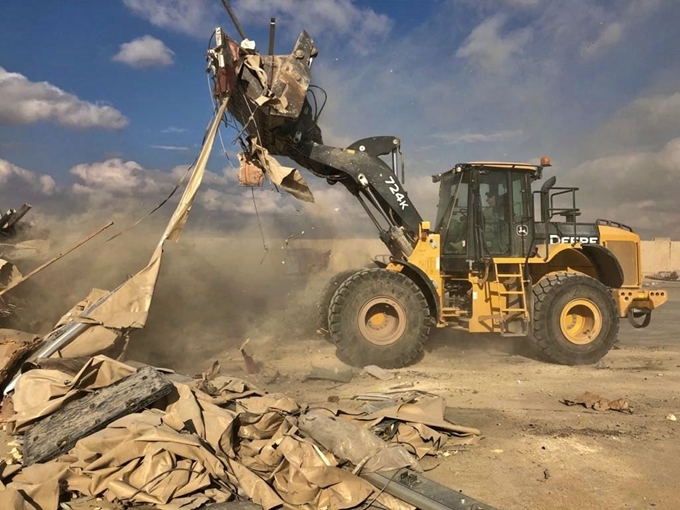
x: 496, y: 229
x: 456, y: 235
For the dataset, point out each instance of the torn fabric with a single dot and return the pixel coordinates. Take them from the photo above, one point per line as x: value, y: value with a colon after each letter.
x: 39, y: 393
x: 288, y: 178
x: 13, y: 346
x: 185, y: 450
x: 128, y: 306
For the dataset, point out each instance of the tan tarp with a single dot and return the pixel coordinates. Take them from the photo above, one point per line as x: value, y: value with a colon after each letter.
x: 39, y: 393
x: 254, y: 63
x: 8, y: 273
x: 288, y: 178
x: 419, y: 426
x: 127, y: 307
x: 185, y: 450
x: 13, y: 345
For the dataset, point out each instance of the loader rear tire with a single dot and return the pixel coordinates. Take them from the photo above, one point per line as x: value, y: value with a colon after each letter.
x: 379, y: 317
x: 325, y: 301
x: 575, y: 320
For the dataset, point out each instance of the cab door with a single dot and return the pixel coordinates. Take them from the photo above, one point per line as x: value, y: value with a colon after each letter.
x: 521, y: 217
x: 505, y: 219
x: 453, y: 221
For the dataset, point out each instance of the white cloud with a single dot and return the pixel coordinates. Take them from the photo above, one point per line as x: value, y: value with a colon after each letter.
x: 361, y: 27
x: 145, y: 51
x: 487, y: 47
x: 241, y: 201
x: 113, y: 180
x: 642, y: 188
x: 118, y: 177
x: 193, y: 17
x: 43, y: 184
x: 645, y: 123
x: 523, y: 3
x: 170, y: 147
x: 26, y: 102
x: 173, y: 129
x: 612, y: 34
x: 501, y: 136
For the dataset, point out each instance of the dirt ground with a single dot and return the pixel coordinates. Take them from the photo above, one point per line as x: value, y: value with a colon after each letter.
x: 536, y: 452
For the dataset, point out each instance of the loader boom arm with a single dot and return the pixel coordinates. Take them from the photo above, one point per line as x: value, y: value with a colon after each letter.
x: 372, y: 182
x: 268, y: 96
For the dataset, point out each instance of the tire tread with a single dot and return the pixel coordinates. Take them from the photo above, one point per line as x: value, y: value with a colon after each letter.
x: 353, y: 352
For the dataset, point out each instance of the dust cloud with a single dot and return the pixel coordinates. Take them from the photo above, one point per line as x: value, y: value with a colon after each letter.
x: 217, y: 286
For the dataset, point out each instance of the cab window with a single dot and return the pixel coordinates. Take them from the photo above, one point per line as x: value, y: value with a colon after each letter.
x: 493, y: 190
x: 454, y: 226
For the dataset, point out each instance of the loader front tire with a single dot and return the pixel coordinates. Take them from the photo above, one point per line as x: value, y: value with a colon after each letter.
x: 575, y: 320
x: 379, y: 317
x: 324, y: 302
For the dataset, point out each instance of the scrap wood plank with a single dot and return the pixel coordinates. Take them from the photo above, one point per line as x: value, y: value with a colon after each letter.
x: 60, y: 431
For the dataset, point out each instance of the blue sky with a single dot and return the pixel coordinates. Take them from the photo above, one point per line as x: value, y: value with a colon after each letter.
x: 105, y: 101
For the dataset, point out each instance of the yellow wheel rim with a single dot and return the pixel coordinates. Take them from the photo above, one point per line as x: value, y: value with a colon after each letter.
x: 581, y: 321
x: 382, y: 321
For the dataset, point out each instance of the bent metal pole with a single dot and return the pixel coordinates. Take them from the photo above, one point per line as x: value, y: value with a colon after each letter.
x: 55, y: 259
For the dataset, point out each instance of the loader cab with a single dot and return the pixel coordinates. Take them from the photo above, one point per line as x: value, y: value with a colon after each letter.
x: 485, y: 210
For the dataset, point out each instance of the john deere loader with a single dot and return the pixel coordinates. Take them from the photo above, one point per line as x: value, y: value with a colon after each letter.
x: 504, y: 256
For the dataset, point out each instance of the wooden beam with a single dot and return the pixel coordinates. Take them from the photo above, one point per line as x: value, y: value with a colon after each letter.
x: 59, y: 432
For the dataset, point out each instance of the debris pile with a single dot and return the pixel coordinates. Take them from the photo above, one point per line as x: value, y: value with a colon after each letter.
x: 12, y: 227
x: 593, y: 401
x: 19, y: 241
x: 667, y: 276
x: 133, y: 434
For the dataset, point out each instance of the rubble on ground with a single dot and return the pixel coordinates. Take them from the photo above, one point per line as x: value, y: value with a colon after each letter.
x: 88, y: 425
x: 667, y: 276
x: 212, y: 438
x: 596, y: 402
x: 20, y: 242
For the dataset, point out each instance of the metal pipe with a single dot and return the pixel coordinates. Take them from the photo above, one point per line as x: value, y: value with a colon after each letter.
x: 6, y: 217
x: 234, y: 19
x: 272, y: 33
x: 18, y: 215
x: 403, y: 173
x: 376, y: 204
x: 370, y: 214
x: 424, y: 494
x: 60, y: 338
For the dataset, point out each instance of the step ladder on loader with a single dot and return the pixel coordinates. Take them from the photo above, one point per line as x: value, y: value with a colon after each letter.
x: 508, y: 294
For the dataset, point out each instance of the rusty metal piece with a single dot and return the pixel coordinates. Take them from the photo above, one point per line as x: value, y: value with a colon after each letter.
x: 251, y: 365
x: 287, y: 111
x: 14, y: 219
x: 250, y: 174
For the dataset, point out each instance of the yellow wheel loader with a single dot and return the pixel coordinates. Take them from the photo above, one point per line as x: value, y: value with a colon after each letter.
x: 492, y: 265
x: 500, y: 258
